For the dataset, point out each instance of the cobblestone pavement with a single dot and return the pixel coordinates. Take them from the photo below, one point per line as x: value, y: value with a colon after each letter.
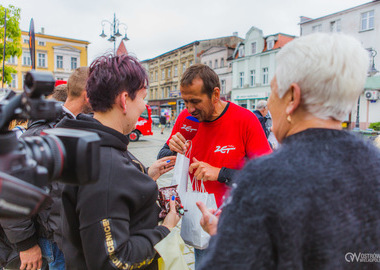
x: 146, y: 150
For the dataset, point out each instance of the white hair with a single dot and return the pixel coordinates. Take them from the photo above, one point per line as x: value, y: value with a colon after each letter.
x: 330, y: 70
x: 261, y: 104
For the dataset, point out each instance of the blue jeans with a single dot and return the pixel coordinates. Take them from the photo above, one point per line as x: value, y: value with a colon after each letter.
x: 52, y: 254
x: 198, y: 254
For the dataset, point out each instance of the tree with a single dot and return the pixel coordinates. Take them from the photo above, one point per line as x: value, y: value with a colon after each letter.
x: 13, y: 39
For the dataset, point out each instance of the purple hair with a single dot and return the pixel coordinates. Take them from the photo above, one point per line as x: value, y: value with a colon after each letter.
x: 109, y: 76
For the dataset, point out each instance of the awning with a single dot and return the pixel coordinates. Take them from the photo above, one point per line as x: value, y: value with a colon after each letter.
x: 372, y: 83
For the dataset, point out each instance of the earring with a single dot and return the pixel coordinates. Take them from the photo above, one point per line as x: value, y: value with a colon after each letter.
x: 289, y: 118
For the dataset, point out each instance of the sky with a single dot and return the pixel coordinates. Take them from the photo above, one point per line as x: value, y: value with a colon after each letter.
x: 155, y: 27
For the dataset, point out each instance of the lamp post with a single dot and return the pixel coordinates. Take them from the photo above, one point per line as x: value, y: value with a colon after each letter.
x: 371, y: 71
x: 114, y: 31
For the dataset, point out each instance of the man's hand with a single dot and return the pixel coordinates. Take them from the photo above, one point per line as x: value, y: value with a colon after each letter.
x: 178, y: 143
x: 31, y: 259
x: 204, y: 170
x: 209, y: 222
x: 161, y: 166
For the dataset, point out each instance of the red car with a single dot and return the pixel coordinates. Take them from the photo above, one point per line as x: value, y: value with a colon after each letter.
x: 143, y: 125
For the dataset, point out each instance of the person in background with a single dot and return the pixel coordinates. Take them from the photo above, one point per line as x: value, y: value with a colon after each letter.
x: 162, y: 122
x: 228, y: 135
x: 261, y: 113
x: 60, y: 93
x: 315, y: 202
x: 113, y: 223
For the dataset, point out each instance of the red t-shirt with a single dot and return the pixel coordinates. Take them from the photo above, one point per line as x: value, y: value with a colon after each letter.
x: 226, y: 142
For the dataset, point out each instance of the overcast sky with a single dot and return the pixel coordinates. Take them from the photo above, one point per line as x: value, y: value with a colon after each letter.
x: 155, y: 27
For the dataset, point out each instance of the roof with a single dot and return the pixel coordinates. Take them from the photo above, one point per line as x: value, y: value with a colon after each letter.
x: 372, y: 83
x: 56, y: 37
x: 307, y: 20
x: 121, y: 49
x: 281, y: 41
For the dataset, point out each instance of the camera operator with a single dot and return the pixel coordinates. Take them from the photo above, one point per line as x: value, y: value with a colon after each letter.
x: 41, y: 236
x: 113, y: 223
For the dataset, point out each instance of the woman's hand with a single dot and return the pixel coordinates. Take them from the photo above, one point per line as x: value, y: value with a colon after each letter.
x: 172, y: 218
x: 209, y: 220
x: 161, y: 166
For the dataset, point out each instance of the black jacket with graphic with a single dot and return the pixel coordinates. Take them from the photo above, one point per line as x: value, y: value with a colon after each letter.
x: 111, y: 224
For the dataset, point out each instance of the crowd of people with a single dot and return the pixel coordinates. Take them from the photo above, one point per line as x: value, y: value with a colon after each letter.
x: 305, y: 205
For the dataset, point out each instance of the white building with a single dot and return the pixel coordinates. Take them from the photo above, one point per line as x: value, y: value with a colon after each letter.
x: 253, y: 66
x: 363, y: 23
x: 219, y: 59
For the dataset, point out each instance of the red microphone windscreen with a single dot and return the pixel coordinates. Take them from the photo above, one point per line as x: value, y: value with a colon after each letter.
x: 189, y: 127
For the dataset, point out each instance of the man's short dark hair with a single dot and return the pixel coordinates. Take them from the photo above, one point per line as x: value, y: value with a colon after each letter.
x: 60, y: 92
x: 109, y: 76
x: 76, y: 83
x: 205, y: 73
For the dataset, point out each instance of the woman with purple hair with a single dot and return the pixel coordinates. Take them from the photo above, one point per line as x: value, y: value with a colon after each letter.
x: 112, y: 224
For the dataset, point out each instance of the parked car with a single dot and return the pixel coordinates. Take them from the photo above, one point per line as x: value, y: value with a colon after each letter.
x: 143, y: 125
x: 155, y: 119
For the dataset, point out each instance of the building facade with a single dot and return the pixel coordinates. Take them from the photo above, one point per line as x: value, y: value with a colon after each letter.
x: 59, y: 55
x: 253, y: 67
x: 219, y: 59
x: 363, y: 23
x: 165, y: 73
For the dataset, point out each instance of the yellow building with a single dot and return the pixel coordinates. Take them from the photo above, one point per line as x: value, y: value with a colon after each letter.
x: 59, y: 55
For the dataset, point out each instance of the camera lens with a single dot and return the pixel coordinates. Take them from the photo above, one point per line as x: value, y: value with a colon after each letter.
x: 48, y: 151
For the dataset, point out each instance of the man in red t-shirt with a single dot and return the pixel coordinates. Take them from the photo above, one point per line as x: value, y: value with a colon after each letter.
x: 227, y: 136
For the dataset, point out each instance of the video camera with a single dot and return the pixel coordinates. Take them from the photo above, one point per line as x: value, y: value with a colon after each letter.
x: 65, y: 155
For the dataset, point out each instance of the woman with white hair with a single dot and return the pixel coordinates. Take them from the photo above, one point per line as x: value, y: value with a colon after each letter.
x: 315, y: 203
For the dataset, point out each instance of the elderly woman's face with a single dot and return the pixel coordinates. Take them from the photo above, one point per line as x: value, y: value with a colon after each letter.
x: 277, y: 108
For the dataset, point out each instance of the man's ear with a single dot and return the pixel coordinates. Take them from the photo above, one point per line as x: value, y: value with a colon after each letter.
x: 293, y: 98
x: 216, y: 93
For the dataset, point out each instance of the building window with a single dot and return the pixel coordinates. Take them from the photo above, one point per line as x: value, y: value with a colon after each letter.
x: 210, y: 64
x: 253, y: 47
x: 270, y: 44
x: 175, y: 88
x: 169, y: 72
x: 41, y: 60
x: 26, y: 59
x: 265, y: 76
x: 223, y: 86
x: 241, y: 80
x: 26, y: 41
x: 175, y: 71
x: 14, y: 81
x: 156, y: 76
x: 316, y: 28
x: 41, y: 43
x: 151, y: 94
x: 163, y: 74
x: 59, y: 61
x: 183, y: 67
x: 367, y: 20
x: 162, y: 92
x: 335, y: 26
x: 74, y: 64
x: 12, y: 60
x: 222, y: 62
x: 216, y: 63
x: 252, y: 80
x: 241, y: 51
x: 190, y: 63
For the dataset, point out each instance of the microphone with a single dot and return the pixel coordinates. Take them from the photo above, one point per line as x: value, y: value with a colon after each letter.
x: 189, y: 127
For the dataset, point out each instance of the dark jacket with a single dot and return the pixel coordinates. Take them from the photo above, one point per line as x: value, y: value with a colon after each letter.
x: 309, y: 205
x: 113, y: 223
x: 262, y: 121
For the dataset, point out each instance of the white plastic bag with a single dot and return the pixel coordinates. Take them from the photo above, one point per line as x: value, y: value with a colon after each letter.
x: 191, y: 230
x: 180, y: 174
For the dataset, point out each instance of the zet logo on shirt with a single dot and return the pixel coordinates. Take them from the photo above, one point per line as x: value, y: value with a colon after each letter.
x: 188, y: 128
x: 224, y: 149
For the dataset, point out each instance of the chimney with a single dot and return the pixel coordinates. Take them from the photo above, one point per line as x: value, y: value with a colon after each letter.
x: 235, y: 34
x: 42, y: 30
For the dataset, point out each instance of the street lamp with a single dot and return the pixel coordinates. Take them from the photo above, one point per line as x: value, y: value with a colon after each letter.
x: 371, y: 71
x: 114, y: 31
